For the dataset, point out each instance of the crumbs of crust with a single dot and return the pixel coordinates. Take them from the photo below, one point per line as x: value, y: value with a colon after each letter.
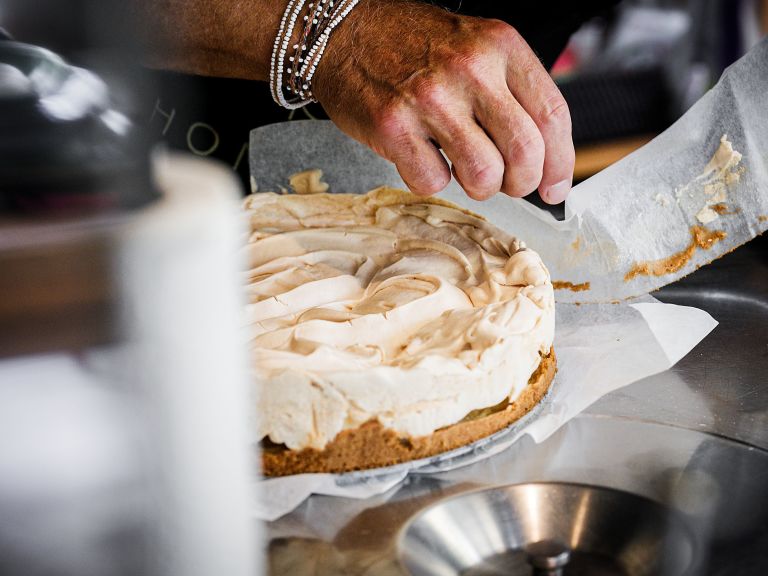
x: 700, y: 238
x: 562, y: 285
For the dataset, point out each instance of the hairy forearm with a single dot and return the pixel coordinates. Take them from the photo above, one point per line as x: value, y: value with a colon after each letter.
x: 231, y: 38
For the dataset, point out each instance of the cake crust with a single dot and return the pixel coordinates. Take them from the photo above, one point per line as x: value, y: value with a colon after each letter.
x: 374, y: 446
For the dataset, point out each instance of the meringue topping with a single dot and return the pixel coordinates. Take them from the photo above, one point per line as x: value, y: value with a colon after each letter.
x: 386, y: 307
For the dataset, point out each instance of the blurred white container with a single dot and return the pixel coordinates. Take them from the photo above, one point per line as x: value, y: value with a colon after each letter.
x: 133, y: 457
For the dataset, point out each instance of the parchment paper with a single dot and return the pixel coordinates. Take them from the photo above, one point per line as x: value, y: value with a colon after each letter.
x: 638, y: 210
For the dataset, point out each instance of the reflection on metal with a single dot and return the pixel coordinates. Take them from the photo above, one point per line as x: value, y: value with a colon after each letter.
x: 580, y: 519
x: 622, y: 534
x: 548, y: 557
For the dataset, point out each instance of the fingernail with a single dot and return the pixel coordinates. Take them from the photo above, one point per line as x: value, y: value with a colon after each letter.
x: 557, y: 192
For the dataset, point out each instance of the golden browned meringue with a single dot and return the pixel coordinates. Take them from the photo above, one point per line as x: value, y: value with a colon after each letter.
x: 386, y: 307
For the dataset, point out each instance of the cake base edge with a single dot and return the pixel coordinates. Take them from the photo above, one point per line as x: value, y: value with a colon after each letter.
x: 374, y: 446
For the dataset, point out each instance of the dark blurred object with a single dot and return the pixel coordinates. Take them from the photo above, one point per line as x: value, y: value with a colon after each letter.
x: 77, y: 29
x: 725, y: 30
x: 69, y: 141
x: 63, y: 146
x: 630, y: 103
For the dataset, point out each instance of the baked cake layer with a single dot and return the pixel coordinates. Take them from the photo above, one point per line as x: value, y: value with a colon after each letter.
x: 373, y: 446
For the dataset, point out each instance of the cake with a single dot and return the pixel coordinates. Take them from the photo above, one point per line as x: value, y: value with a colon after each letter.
x: 388, y: 327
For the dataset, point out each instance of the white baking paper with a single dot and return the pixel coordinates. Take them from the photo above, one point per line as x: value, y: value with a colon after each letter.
x: 642, y: 209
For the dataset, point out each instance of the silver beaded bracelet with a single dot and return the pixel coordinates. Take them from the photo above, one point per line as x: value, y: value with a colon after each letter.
x: 322, y: 17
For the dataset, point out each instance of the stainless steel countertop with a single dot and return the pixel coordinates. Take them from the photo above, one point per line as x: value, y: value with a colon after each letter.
x: 695, y: 437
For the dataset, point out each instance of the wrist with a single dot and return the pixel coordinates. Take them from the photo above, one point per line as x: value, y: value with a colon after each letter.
x: 304, y: 33
x: 341, y: 54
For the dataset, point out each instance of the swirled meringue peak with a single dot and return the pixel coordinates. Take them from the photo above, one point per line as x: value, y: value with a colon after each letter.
x: 386, y: 306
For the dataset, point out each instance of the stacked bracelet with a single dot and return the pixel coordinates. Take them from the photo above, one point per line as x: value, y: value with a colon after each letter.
x: 291, y: 80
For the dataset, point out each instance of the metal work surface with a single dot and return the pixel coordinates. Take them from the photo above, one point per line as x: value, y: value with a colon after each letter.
x: 694, y: 437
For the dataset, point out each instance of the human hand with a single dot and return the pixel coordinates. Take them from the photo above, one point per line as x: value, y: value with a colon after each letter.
x: 407, y: 78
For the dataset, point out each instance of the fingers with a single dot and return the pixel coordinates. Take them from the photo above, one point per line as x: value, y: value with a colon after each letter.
x: 421, y: 166
x: 517, y: 138
x: 418, y: 161
x: 477, y: 163
x: 538, y: 95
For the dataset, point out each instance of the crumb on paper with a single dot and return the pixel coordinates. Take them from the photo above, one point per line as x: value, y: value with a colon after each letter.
x: 717, y: 187
x: 722, y: 208
x: 762, y: 218
x: 717, y: 194
x: 308, y: 182
x: 576, y: 243
x: 707, y: 215
x: 561, y: 285
x: 721, y: 172
x: 734, y: 177
x: 662, y: 199
x: 725, y: 157
x: 701, y: 237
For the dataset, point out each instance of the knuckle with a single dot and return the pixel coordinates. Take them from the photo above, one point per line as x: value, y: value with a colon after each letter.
x: 483, y: 176
x: 429, y: 185
x: 489, y: 176
x: 555, y: 111
x: 477, y: 60
x: 519, y: 183
x: 465, y: 58
x: 430, y: 94
x: 475, y: 67
x: 508, y: 39
x: 390, y: 124
x: 425, y: 178
x: 532, y: 72
x: 502, y: 32
x: 526, y: 148
x: 525, y: 164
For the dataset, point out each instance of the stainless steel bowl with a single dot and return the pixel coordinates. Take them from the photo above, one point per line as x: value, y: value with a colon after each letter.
x: 547, y: 528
